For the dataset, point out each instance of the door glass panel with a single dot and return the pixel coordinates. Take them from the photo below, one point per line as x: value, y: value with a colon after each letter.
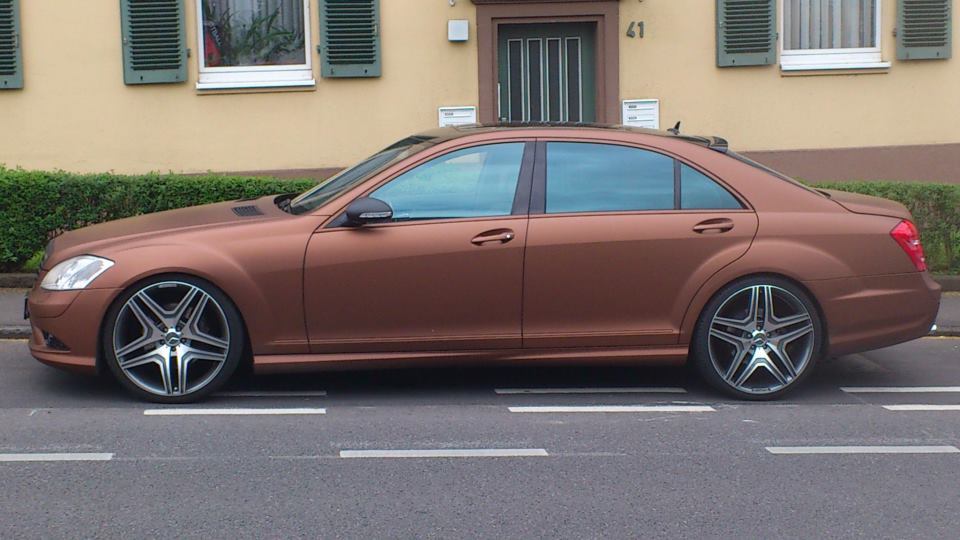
x: 574, y: 83
x: 515, y: 75
x: 534, y: 67
x: 553, y: 80
x: 699, y: 191
x: 590, y: 177
x: 473, y: 182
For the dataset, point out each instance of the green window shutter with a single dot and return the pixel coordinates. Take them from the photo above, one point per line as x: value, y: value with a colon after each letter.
x: 154, y: 49
x: 11, y: 62
x: 350, y: 38
x: 746, y: 32
x: 924, y: 29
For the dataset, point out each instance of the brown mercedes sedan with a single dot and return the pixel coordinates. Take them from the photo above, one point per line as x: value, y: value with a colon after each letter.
x: 494, y: 244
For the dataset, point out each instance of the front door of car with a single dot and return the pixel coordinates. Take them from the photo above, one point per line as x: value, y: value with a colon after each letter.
x: 620, y: 239
x: 445, y: 273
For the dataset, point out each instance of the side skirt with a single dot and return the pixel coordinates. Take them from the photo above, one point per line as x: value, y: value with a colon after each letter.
x: 285, y: 363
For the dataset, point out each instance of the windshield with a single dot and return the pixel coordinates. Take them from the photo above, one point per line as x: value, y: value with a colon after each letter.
x: 349, y: 178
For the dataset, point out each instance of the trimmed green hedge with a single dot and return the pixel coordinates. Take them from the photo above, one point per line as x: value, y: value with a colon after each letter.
x: 36, y: 204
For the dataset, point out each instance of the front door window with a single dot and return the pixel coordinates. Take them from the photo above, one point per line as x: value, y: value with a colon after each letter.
x: 474, y: 182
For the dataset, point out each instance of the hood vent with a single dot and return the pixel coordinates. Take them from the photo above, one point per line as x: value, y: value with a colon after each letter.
x: 247, y: 211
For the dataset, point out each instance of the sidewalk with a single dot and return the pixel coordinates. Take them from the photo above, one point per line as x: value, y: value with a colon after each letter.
x: 12, y: 324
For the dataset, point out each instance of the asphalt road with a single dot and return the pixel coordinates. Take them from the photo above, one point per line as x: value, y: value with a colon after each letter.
x: 706, y: 471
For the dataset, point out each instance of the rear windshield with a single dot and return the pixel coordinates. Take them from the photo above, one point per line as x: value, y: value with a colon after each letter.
x: 349, y: 178
x: 778, y: 174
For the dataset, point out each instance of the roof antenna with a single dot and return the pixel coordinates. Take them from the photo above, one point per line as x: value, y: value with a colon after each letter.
x: 675, y: 129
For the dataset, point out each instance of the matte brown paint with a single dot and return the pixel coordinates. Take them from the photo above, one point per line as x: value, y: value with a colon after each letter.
x: 603, y: 287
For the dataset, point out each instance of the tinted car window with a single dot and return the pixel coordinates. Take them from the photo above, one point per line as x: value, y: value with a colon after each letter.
x: 698, y: 191
x: 357, y: 174
x: 591, y: 177
x: 473, y: 182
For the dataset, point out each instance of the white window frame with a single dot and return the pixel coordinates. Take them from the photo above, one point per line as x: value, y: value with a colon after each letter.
x: 218, y: 78
x: 824, y: 59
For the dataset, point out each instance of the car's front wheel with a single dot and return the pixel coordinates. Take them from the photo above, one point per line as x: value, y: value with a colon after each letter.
x: 758, y: 338
x: 173, y: 339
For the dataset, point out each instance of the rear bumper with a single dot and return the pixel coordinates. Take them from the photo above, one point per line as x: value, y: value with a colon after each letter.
x: 65, y: 326
x: 865, y: 313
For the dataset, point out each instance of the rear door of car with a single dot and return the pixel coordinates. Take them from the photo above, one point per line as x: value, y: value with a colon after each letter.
x: 620, y: 238
x: 445, y: 274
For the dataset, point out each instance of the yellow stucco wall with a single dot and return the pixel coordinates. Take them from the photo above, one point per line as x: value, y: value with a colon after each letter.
x: 75, y: 113
x: 758, y: 108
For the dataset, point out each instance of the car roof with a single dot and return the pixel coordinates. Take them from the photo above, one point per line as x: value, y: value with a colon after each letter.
x: 444, y: 134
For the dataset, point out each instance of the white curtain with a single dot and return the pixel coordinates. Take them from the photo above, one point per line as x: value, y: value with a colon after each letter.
x: 829, y: 24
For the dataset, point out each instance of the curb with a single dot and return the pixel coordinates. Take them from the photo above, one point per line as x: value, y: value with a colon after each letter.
x: 17, y: 281
x: 949, y: 283
x: 14, y: 332
x: 947, y: 331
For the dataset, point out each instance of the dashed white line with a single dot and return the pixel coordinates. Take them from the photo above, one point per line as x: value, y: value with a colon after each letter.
x: 232, y: 412
x: 899, y: 389
x: 270, y: 393
x: 56, y: 457
x: 613, y: 409
x: 797, y: 450
x: 612, y: 390
x: 922, y: 407
x: 446, y: 453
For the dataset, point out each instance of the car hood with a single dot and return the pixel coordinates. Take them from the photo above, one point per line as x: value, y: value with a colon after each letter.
x: 107, y: 234
x: 867, y: 204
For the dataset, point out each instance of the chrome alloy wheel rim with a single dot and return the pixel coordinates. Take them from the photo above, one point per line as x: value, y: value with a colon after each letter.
x: 761, y: 339
x: 171, y: 338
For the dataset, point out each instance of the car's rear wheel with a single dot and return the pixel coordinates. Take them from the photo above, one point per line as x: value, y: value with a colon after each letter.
x: 173, y: 339
x: 758, y: 338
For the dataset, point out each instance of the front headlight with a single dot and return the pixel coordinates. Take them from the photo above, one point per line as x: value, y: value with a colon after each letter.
x: 75, y: 273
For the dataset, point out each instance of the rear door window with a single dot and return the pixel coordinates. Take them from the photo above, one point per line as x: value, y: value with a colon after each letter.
x: 596, y: 177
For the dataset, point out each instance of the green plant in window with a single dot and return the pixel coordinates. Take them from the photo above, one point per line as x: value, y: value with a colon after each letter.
x: 232, y: 40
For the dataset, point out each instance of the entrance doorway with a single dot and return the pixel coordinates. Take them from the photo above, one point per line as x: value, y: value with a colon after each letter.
x: 547, y: 72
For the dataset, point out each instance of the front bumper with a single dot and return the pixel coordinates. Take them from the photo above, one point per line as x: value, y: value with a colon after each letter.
x: 866, y: 313
x: 65, y: 326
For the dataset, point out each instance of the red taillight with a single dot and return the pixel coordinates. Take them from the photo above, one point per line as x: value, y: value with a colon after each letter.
x: 907, y: 235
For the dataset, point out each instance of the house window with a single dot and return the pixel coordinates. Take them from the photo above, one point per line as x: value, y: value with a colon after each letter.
x: 254, y: 43
x: 831, y: 34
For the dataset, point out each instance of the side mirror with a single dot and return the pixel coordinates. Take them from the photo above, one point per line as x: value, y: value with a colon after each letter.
x: 367, y: 210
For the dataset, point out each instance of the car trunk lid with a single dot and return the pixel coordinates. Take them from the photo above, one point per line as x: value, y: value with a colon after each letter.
x: 867, y: 204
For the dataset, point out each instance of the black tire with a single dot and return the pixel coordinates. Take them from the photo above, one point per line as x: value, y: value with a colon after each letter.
x: 715, y: 373
x: 231, y: 321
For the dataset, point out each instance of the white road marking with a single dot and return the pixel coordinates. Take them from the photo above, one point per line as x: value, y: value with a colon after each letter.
x: 634, y: 390
x: 269, y: 393
x: 230, y: 412
x: 899, y: 389
x: 794, y: 450
x: 56, y: 457
x: 446, y: 453
x: 613, y: 409
x: 919, y: 407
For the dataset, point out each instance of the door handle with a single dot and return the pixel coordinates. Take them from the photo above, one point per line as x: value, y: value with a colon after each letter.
x: 718, y: 225
x: 500, y: 235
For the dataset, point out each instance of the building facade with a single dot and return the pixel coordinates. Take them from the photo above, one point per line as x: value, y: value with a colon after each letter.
x: 823, y: 89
